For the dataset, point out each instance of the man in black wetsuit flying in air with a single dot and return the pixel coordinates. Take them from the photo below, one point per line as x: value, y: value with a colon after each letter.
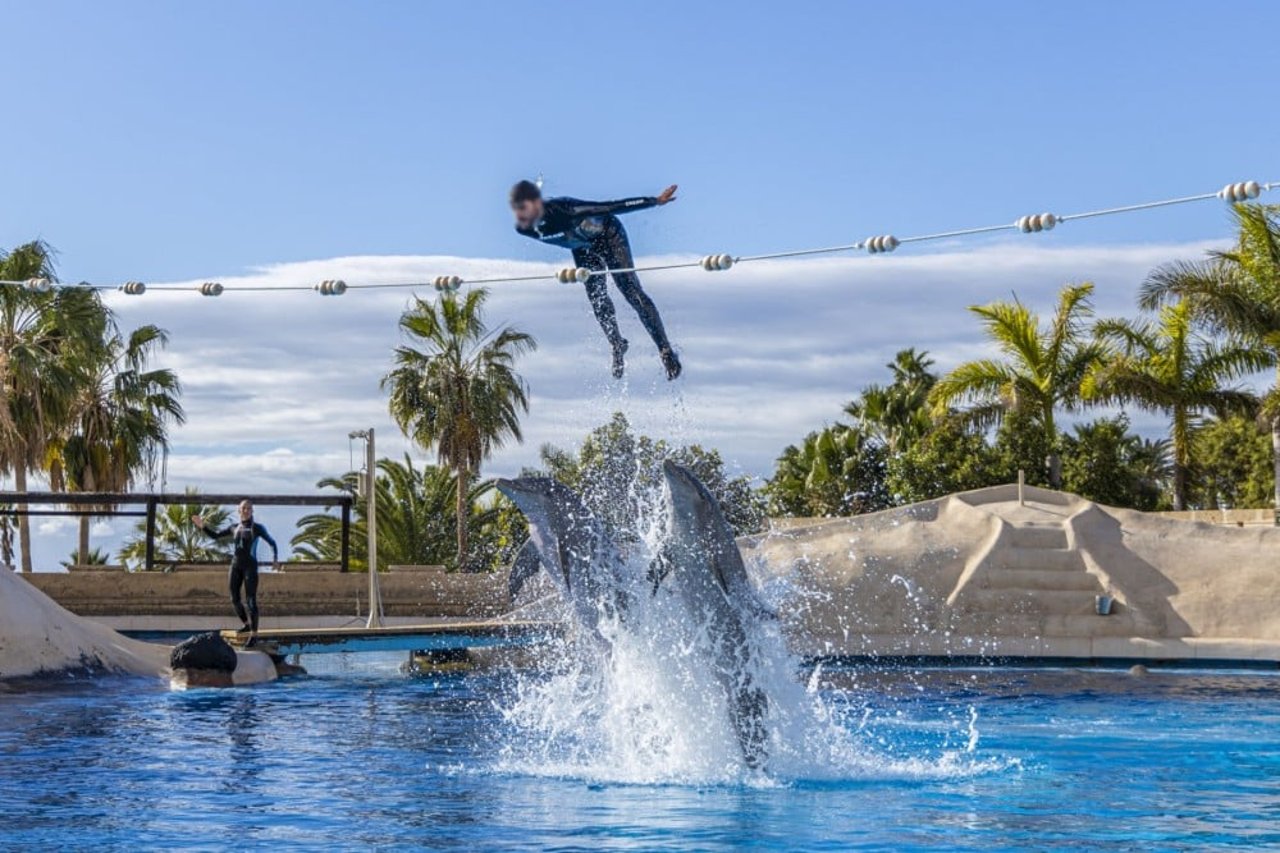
x: 244, y: 562
x: 599, y: 242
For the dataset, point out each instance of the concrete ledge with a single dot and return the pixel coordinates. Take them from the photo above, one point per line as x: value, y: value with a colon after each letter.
x: 292, y: 566
x: 180, y: 624
x: 1225, y: 517
x: 318, y: 593
x: 1053, y: 649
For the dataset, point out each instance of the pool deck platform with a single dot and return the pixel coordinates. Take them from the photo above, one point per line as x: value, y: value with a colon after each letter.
x: 440, y: 635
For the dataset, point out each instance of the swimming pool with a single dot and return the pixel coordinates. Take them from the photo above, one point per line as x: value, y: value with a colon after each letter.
x: 360, y: 756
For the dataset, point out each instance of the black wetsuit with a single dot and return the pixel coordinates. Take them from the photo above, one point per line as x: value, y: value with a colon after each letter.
x: 244, y: 565
x: 599, y: 242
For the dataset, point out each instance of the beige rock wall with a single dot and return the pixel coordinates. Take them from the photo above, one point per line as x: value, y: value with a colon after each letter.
x: 982, y: 574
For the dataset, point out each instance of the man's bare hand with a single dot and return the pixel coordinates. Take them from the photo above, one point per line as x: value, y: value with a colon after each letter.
x: 197, y: 521
x: 668, y: 195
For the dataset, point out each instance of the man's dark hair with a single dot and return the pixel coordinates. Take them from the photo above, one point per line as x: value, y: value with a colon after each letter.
x: 525, y: 191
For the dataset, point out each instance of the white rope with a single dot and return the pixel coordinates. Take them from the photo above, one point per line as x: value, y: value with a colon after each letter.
x: 1031, y: 223
x: 1128, y: 208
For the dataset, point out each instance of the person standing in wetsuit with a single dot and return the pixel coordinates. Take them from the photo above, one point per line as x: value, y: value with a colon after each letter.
x: 244, y: 563
x: 592, y: 231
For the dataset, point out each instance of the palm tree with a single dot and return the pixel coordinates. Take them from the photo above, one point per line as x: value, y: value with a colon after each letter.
x: 1168, y: 367
x: 42, y: 336
x: 1237, y: 291
x: 414, y: 505
x: 454, y: 387
x: 1041, y: 371
x: 836, y: 471
x: 94, y: 557
x: 898, y: 414
x: 121, y: 417
x: 177, y: 540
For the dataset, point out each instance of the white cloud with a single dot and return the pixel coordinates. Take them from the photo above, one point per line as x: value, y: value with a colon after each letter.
x: 275, y: 381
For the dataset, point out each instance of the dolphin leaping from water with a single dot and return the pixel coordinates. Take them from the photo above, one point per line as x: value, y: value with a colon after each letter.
x: 712, y: 579
x: 568, y: 541
x: 700, y: 559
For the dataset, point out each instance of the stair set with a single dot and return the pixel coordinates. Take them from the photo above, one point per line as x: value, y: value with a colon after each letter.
x: 1030, y: 581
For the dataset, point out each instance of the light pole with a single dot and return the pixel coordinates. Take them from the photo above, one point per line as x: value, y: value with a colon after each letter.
x: 369, y: 483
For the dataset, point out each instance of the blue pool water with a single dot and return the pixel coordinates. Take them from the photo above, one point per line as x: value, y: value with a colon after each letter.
x: 358, y: 756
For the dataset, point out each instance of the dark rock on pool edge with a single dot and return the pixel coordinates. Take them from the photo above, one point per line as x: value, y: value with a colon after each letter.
x: 204, y: 651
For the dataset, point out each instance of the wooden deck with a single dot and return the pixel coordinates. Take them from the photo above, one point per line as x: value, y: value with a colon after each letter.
x: 437, y: 635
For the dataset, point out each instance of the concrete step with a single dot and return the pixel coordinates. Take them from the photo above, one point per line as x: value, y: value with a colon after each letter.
x: 1040, y: 579
x: 1038, y: 536
x: 1039, y: 559
x: 1075, y: 625
x: 1072, y: 602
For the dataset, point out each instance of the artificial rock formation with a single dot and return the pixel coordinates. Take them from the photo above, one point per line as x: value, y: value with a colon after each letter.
x: 983, y: 574
x: 40, y: 638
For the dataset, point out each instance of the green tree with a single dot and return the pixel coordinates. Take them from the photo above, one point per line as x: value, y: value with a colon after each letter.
x: 41, y: 336
x: 836, y: 471
x: 1104, y: 462
x: 1232, y: 465
x: 1020, y: 444
x: 896, y: 415
x: 950, y: 457
x: 617, y: 470
x: 1167, y: 366
x: 177, y: 540
x: 455, y: 388
x: 415, y: 508
x: 119, y: 426
x: 1039, y: 373
x: 1238, y: 292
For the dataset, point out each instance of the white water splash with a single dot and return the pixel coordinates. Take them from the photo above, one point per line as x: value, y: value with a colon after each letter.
x: 650, y: 710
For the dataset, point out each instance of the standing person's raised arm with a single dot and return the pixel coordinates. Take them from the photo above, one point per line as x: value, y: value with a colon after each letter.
x: 625, y: 205
x: 198, y: 521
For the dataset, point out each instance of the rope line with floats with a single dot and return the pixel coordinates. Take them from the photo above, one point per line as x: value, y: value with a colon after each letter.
x: 1033, y: 223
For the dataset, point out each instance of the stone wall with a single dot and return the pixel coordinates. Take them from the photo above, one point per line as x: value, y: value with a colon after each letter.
x: 413, y: 593
x: 1225, y: 517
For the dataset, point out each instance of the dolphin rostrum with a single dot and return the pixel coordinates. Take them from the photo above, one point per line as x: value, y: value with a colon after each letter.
x: 708, y: 570
x: 567, y: 540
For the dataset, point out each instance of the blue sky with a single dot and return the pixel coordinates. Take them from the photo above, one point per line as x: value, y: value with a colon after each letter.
x: 172, y: 140
x: 289, y: 142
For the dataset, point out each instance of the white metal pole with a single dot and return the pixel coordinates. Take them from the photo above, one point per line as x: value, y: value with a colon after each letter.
x: 371, y: 528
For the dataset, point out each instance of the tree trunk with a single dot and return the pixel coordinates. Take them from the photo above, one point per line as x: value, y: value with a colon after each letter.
x: 6, y: 543
x: 24, y: 523
x: 1275, y: 459
x: 1275, y: 452
x: 463, y: 479
x: 1180, y: 438
x: 1052, y: 462
x: 84, y: 541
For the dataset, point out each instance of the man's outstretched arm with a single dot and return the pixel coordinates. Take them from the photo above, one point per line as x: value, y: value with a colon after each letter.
x: 212, y: 534
x: 625, y: 205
